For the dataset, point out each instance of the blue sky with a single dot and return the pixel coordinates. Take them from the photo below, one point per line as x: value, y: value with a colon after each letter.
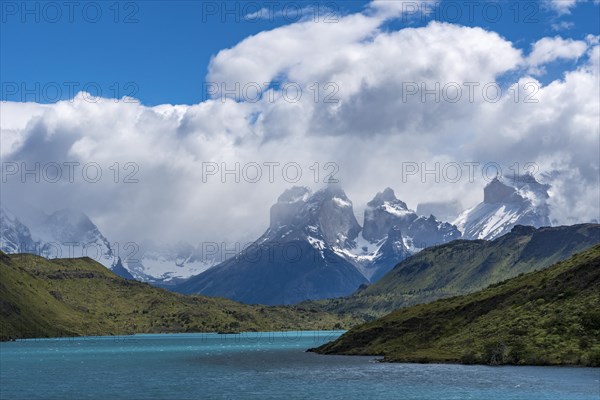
x: 159, y: 51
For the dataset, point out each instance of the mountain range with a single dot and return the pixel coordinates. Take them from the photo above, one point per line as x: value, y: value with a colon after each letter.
x: 314, y: 247
x: 332, y: 246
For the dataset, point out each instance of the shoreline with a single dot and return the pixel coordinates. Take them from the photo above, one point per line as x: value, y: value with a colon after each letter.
x: 383, y: 360
x: 240, y: 334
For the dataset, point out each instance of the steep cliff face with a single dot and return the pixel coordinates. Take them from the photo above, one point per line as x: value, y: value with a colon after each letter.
x: 384, y: 212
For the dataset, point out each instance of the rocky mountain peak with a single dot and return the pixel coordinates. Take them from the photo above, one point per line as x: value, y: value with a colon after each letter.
x: 497, y: 192
x: 290, y: 207
x: 326, y: 214
x: 384, y: 212
x: 294, y: 195
x: 387, y: 196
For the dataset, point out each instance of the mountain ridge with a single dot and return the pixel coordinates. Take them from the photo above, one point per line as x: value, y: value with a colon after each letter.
x: 464, y: 266
x: 80, y: 297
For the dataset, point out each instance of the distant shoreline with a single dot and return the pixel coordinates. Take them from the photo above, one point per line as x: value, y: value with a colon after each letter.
x: 129, y: 335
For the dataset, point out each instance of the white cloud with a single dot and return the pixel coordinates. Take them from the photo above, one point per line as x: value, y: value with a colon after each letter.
x: 562, y: 25
x: 407, y: 9
x: 550, y: 49
x: 562, y: 6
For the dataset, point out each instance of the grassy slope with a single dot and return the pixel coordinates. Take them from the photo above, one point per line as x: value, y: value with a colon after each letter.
x: 462, y: 267
x: 43, y: 298
x: 545, y: 317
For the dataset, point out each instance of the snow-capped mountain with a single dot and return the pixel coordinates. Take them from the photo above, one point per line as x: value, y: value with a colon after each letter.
x: 315, y: 248
x: 167, y: 264
x: 392, y: 232
x: 517, y: 201
x: 296, y: 259
x: 61, y: 234
x: 325, y: 216
x: 70, y: 233
x: 385, y: 211
x: 15, y: 237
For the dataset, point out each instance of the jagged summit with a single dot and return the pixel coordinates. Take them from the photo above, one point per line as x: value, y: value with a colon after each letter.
x: 519, y: 200
x: 324, y: 215
x: 65, y: 233
x: 385, y: 212
x: 387, y: 196
x: 294, y: 194
x: 497, y: 192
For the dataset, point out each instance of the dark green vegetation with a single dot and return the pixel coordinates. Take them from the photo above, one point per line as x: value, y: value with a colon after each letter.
x: 548, y: 317
x: 73, y: 297
x: 462, y: 267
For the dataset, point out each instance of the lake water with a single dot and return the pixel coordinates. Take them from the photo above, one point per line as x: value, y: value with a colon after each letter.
x: 258, y: 366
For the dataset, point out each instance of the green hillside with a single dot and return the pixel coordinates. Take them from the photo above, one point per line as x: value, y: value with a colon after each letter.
x: 548, y: 317
x: 64, y: 297
x: 462, y: 267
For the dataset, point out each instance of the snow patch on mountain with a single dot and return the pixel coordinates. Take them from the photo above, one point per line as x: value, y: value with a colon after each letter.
x: 15, y: 237
x: 521, y: 200
x: 341, y: 202
x: 168, y: 263
x: 392, y: 232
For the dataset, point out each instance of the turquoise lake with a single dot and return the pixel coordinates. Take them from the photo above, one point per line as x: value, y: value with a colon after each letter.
x: 258, y: 366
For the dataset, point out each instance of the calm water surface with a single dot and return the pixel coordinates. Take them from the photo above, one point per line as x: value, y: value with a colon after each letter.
x: 258, y: 366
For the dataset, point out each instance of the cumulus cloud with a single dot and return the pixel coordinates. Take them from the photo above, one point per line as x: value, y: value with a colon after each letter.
x: 374, y: 103
x: 550, y: 49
